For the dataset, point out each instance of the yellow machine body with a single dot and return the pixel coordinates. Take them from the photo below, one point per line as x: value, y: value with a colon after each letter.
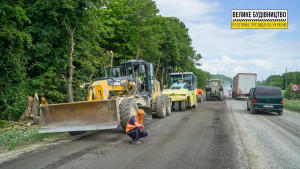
x: 182, y: 95
x: 97, y: 113
x: 105, y: 95
x: 182, y: 90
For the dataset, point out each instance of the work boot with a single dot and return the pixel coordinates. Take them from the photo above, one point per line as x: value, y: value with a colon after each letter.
x: 136, y: 142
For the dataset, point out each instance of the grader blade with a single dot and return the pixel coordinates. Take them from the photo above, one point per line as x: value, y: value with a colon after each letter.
x: 79, y: 116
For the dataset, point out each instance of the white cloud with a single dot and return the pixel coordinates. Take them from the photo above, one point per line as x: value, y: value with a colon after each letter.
x: 291, y: 27
x: 230, y: 51
x: 187, y: 10
x: 239, y: 69
x: 263, y: 67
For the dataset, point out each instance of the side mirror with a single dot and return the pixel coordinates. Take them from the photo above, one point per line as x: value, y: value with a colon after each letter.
x: 83, y: 85
x: 164, y: 87
x: 142, y: 69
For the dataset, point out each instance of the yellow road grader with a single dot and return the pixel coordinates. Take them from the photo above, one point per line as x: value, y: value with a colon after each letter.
x: 111, y: 101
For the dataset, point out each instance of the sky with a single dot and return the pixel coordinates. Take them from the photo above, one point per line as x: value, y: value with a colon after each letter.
x: 230, y: 51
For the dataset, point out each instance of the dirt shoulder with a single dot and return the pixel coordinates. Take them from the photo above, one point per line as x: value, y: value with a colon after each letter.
x: 17, y: 140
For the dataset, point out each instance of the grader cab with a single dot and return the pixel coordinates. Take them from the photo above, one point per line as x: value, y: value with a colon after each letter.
x: 111, y: 101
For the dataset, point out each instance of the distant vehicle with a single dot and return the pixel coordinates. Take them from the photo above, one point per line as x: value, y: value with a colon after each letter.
x: 230, y: 93
x: 242, y: 83
x: 214, y: 90
x: 199, y: 96
x: 265, y: 98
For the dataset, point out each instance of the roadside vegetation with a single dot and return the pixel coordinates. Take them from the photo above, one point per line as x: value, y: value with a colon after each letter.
x: 18, y: 136
x: 289, y: 102
x: 280, y: 80
x: 293, y: 105
x: 47, y: 45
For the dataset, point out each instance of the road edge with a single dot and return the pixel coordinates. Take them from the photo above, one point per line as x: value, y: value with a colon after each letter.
x: 9, y: 155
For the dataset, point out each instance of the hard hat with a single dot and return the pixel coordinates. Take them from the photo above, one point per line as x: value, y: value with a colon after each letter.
x: 141, y: 112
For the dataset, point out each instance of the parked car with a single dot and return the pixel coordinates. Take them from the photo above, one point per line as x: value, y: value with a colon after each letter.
x: 265, y: 98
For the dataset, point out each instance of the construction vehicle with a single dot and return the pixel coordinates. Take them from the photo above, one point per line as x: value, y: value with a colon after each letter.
x: 182, y: 90
x: 242, y: 83
x: 199, y: 96
x: 111, y: 101
x: 214, y: 90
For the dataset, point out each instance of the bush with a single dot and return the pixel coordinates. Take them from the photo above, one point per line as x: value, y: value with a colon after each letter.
x: 13, y: 112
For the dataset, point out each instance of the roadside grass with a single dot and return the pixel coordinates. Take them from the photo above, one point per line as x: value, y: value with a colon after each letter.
x: 22, y: 136
x: 4, y: 124
x: 292, y: 105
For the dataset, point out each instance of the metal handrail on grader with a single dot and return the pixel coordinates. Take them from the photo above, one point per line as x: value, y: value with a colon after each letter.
x: 111, y: 101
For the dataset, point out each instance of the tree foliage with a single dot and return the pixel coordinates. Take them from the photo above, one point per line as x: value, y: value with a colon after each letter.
x: 289, y: 94
x: 280, y: 80
x: 13, y: 43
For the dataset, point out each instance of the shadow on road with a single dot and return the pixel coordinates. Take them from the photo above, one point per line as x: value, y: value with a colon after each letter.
x: 266, y: 113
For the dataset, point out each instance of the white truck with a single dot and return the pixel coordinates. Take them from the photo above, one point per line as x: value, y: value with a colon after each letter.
x: 242, y: 83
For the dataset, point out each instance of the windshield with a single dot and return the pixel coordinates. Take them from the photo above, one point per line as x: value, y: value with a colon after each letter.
x: 214, y: 83
x: 268, y: 92
x: 115, y: 72
x: 176, y: 87
x: 178, y: 79
x: 179, y: 86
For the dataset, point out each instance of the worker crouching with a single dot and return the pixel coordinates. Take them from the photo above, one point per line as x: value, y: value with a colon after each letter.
x: 135, y: 127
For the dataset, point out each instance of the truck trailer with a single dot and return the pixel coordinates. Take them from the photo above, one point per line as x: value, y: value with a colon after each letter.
x: 242, y: 83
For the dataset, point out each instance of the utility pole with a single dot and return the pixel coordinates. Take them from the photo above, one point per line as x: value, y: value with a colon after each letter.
x: 286, y: 78
x: 271, y: 79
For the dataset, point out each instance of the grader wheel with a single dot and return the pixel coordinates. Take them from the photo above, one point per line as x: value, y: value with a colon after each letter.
x: 161, y: 108
x: 168, y: 105
x: 182, y: 105
x: 128, y: 108
x: 176, y: 106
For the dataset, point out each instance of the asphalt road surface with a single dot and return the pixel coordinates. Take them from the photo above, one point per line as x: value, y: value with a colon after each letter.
x: 215, y: 135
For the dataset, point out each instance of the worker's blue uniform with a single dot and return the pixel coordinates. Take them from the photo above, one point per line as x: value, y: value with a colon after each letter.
x: 135, y: 133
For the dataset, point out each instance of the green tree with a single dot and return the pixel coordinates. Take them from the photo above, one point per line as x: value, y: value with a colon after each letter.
x: 131, y: 29
x: 66, y: 36
x: 176, y: 48
x: 144, y: 20
x: 13, y: 42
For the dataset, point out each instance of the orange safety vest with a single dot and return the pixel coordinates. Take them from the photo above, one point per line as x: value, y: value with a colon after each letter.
x: 132, y: 126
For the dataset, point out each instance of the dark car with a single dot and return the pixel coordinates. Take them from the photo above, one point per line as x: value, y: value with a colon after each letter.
x: 265, y: 98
